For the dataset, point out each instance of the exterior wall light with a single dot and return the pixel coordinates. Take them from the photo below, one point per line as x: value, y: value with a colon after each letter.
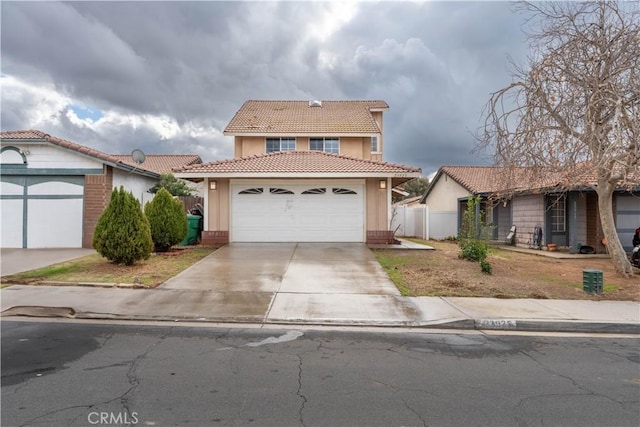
x: 383, y: 184
x: 213, y: 185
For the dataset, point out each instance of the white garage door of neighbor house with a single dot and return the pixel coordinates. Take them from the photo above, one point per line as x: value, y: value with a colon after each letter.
x: 297, y: 212
x: 42, y: 212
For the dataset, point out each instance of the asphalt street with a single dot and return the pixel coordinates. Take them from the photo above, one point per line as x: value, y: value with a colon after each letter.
x: 61, y: 373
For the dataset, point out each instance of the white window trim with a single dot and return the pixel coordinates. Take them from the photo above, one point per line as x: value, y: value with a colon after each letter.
x: 377, y: 150
x: 280, y: 138
x: 557, y: 220
x: 324, y: 140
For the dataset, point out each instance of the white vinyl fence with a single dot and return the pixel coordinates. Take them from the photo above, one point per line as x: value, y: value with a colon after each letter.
x: 411, y: 221
x: 418, y: 221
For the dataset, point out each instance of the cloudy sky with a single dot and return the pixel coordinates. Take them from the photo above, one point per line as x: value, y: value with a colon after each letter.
x: 167, y: 77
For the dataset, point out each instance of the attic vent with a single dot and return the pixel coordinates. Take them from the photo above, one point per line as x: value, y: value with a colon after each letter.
x: 315, y: 103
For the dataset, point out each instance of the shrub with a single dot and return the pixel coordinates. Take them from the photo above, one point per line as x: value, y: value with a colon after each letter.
x: 473, y: 235
x: 122, y: 234
x: 485, y: 266
x: 474, y: 250
x: 168, y: 220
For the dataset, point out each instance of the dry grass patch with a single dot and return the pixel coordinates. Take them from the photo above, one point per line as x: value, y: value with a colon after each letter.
x: 96, y: 269
x: 515, y: 275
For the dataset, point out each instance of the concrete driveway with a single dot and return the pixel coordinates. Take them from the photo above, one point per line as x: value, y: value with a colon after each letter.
x: 14, y: 261
x: 296, y: 282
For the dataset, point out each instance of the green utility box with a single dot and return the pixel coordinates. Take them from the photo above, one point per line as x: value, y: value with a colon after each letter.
x: 592, y: 281
x: 193, y: 231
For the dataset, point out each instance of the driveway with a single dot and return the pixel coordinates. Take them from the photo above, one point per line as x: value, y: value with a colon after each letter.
x: 296, y: 281
x: 18, y: 260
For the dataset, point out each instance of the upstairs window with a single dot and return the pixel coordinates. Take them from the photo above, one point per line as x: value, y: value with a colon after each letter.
x: 328, y: 145
x: 280, y: 144
x: 374, y: 145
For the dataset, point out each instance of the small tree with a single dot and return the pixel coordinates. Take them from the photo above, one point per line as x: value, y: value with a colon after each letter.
x: 473, y: 239
x: 122, y: 234
x: 175, y: 186
x: 416, y: 187
x: 168, y: 220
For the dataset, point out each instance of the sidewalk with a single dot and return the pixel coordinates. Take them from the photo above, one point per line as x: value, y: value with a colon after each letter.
x: 91, y: 302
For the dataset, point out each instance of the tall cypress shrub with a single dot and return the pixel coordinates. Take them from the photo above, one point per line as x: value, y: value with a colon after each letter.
x: 168, y: 220
x: 122, y: 234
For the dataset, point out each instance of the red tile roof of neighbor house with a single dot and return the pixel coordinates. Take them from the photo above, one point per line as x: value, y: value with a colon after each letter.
x: 494, y: 179
x: 476, y: 179
x: 300, y: 117
x: 162, y: 163
x: 155, y: 164
x: 297, y: 162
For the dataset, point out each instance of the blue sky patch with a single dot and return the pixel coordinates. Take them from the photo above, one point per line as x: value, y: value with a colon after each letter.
x: 83, y: 112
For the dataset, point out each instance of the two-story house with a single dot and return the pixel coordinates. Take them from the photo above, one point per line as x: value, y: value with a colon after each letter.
x: 304, y: 171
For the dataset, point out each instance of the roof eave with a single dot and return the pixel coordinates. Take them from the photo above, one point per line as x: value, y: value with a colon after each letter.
x: 187, y: 175
x: 301, y: 134
x: 118, y: 165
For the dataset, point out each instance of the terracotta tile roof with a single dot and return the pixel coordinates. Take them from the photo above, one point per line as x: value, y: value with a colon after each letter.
x: 291, y: 162
x: 476, y: 179
x: 37, y: 135
x: 497, y: 180
x: 160, y: 163
x: 299, y: 117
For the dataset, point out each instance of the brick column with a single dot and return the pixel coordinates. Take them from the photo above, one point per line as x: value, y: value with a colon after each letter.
x: 97, y: 192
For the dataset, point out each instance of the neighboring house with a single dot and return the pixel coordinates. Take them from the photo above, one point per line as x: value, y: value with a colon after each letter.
x: 303, y: 172
x: 165, y: 163
x: 54, y: 191
x: 567, y: 219
x: 447, y: 195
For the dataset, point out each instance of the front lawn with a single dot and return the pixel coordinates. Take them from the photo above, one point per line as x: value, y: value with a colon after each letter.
x: 96, y: 269
x: 515, y: 275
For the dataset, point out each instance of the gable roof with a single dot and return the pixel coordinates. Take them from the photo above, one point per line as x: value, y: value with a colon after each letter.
x: 286, y: 118
x: 162, y: 163
x: 39, y: 136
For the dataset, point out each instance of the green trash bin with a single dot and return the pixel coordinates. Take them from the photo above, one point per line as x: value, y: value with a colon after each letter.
x: 193, y: 231
x: 592, y: 281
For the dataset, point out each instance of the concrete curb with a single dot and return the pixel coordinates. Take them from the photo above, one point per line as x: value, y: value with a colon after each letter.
x: 525, y: 325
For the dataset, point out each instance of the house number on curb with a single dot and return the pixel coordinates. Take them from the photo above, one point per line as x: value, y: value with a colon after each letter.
x: 496, y: 323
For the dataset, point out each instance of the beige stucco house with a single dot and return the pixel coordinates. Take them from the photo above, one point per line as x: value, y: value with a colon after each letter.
x: 303, y: 171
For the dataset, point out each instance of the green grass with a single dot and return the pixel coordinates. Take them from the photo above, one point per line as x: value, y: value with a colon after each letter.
x: 96, y: 269
x: 50, y: 271
x: 390, y: 263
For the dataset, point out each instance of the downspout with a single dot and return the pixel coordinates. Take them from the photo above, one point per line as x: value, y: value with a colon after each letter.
x: 389, y: 204
x: 205, y: 220
x: 477, y: 218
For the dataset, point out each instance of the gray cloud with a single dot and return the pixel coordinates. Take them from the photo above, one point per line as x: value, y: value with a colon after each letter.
x: 195, y: 63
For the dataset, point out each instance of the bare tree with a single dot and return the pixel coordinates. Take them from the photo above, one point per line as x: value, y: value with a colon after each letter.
x: 573, y: 112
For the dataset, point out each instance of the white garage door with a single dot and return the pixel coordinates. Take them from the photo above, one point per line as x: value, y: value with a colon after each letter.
x: 42, y: 212
x: 297, y: 212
